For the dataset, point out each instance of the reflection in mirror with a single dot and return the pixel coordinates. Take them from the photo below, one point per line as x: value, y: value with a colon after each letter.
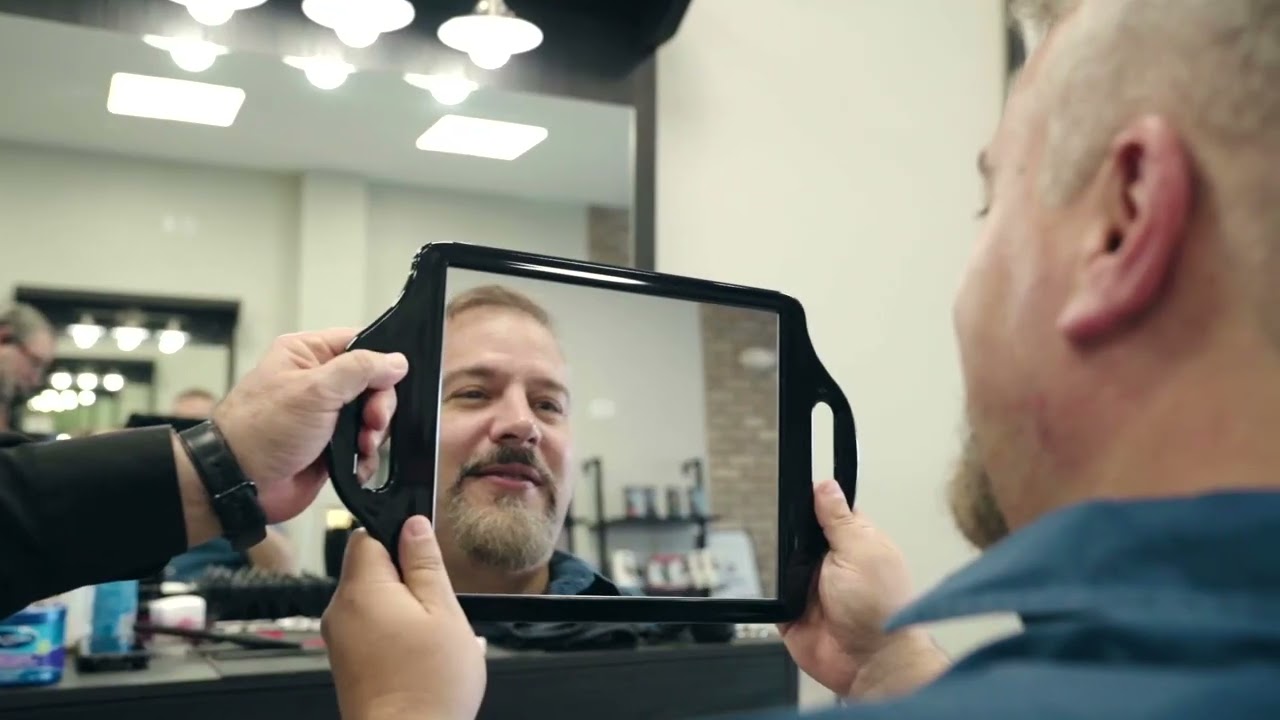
x: 596, y: 442
x: 303, y: 199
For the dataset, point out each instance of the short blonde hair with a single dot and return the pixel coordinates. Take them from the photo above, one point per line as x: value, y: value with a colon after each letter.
x: 500, y: 297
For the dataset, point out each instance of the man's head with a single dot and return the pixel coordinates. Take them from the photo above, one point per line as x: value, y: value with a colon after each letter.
x: 193, y: 404
x: 26, y: 351
x: 502, y: 486
x: 1120, y: 313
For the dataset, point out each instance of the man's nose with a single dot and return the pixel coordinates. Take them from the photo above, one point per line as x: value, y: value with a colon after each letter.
x: 515, y: 424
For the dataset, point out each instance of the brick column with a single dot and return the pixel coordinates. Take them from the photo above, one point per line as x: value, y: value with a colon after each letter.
x: 742, y: 429
x: 609, y: 236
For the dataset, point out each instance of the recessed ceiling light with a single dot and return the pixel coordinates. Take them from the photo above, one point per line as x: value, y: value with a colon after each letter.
x: 479, y: 137
x: 162, y: 98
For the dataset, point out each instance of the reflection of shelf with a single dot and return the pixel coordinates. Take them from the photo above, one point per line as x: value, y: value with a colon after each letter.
x: 653, y: 522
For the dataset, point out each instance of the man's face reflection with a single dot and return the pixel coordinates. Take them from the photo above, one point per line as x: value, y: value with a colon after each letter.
x: 501, y: 486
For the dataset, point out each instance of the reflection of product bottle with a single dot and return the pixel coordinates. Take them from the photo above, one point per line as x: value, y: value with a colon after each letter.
x: 626, y: 569
x: 115, y: 608
x: 678, y: 573
x: 651, y: 502
x: 655, y: 573
x: 698, y: 502
x: 635, y: 501
x: 673, y: 503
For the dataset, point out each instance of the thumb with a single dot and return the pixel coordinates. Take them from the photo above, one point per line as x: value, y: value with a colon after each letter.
x: 351, y: 373
x: 422, y: 565
x: 838, y: 521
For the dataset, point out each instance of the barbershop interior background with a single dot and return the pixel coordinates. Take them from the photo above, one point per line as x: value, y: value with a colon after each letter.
x: 822, y: 148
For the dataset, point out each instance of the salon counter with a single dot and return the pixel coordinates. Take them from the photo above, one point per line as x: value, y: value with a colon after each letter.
x: 679, y: 681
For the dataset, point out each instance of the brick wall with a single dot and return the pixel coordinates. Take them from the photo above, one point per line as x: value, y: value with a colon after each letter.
x: 609, y: 236
x: 742, y: 429
x: 741, y: 404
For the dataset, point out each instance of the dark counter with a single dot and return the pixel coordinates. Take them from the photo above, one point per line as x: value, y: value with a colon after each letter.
x: 682, y: 681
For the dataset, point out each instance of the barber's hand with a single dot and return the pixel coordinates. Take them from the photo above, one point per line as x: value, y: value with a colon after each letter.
x: 862, y: 582
x: 401, y: 648
x: 281, y: 415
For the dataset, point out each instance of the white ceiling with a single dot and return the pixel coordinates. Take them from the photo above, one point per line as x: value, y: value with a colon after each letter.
x: 53, y: 91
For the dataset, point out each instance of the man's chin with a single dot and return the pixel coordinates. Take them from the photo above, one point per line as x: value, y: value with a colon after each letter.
x: 971, y: 496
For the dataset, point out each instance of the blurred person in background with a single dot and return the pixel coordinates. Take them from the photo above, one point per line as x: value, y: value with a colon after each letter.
x: 26, y: 352
x: 193, y: 404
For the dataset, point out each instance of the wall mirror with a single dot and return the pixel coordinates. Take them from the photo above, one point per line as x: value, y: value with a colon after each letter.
x: 162, y: 161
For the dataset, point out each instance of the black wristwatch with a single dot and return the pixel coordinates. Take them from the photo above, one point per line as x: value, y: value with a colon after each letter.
x: 232, y: 494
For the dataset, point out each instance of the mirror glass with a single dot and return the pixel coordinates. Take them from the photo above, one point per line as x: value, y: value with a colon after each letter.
x: 598, y: 442
x: 290, y: 194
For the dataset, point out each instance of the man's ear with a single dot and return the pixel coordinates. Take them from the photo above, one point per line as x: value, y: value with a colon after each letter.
x: 1142, y: 195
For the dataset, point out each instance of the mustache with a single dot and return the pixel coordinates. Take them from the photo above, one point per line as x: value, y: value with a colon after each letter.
x: 509, y: 455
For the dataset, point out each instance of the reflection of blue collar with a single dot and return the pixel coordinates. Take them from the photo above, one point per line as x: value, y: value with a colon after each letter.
x: 1207, y: 562
x: 570, y: 575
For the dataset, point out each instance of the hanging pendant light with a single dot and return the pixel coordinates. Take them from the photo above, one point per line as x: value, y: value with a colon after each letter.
x: 490, y: 35
x: 358, y: 23
x: 216, y: 12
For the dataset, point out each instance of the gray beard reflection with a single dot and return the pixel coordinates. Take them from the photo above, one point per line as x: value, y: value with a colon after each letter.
x: 972, y: 498
x: 511, y: 534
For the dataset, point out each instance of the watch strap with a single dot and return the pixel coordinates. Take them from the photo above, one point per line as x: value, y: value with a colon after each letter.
x: 232, y: 495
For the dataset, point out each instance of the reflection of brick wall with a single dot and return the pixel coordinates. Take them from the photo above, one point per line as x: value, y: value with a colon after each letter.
x: 742, y: 429
x: 609, y: 236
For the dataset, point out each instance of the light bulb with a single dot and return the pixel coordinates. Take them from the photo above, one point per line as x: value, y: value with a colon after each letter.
x: 210, y: 12
x: 171, y: 341
x: 357, y: 36
x: 60, y: 380
x: 448, y: 93
x: 193, y: 58
x: 489, y: 59
x: 326, y: 78
x: 68, y: 399
x: 129, y: 337
x: 86, y: 381
x: 85, y: 335
x: 86, y: 397
x: 113, y: 382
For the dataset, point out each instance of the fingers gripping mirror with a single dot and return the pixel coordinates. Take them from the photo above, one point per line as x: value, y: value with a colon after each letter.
x: 599, y: 444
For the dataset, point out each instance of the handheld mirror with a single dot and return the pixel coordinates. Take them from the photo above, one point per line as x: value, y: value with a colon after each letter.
x: 599, y: 444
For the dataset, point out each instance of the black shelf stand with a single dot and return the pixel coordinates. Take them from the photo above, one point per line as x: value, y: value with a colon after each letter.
x: 692, y: 469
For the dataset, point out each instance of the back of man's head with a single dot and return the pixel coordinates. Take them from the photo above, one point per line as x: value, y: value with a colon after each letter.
x: 21, y: 322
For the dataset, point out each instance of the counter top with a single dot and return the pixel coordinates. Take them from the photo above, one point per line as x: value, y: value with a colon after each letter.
x: 673, y: 681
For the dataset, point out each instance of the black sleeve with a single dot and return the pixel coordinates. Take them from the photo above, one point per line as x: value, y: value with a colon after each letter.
x: 85, y: 511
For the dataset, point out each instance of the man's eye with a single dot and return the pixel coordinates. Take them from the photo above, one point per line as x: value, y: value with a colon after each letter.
x: 550, y: 406
x: 471, y: 394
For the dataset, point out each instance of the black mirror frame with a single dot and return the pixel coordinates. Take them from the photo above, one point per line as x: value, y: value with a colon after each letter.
x: 415, y: 326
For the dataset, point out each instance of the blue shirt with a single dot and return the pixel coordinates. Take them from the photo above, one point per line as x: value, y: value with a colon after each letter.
x: 1133, y: 610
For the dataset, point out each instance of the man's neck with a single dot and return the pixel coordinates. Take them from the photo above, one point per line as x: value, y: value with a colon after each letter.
x: 1211, y: 430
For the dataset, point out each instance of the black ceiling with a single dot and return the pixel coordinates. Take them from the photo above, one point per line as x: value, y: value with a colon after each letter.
x: 587, y: 42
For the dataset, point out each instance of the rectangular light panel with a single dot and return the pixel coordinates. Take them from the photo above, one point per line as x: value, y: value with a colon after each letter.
x: 163, y: 98
x: 478, y: 137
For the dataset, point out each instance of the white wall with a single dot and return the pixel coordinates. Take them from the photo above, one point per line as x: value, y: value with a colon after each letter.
x: 827, y: 147
x: 639, y: 399
x: 71, y: 220
x: 297, y: 251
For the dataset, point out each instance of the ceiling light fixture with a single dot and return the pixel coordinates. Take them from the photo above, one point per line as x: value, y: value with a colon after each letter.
x: 161, y: 98
x: 190, y: 54
x: 324, y: 73
x: 130, y: 337
x: 172, y: 338
x: 113, y: 382
x: 446, y: 89
x: 216, y: 12
x: 490, y: 35
x: 478, y: 137
x: 86, y: 333
x: 358, y: 23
